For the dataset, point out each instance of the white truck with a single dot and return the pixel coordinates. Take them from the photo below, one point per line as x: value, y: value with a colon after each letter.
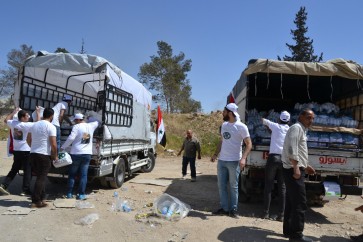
x: 125, y: 140
x: 268, y: 84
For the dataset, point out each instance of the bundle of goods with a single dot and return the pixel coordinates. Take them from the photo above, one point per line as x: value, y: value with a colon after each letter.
x: 330, y: 128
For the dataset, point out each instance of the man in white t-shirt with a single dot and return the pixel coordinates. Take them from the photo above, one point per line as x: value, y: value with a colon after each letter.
x: 20, y: 130
x: 273, y: 168
x: 59, y: 110
x: 231, y: 160
x: 43, y: 151
x: 81, y: 139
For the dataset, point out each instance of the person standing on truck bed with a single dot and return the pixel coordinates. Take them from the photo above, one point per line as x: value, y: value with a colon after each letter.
x: 231, y: 160
x: 190, y: 146
x: 43, y: 150
x: 20, y: 130
x: 81, y: 139
x: 295, y: 163
x: 274, y: 164
x: 59, y: 110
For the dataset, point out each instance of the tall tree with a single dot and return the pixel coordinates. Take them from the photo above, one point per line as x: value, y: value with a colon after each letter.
x: 61, y: 50
x: 303, y: 49
x: 16, y: 59
x: 166, y: 75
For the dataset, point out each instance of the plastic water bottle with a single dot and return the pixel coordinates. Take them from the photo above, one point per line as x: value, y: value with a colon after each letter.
x: 171, y: 210
x: 118, y: 202
x: 164, y: 210
x: 125, y: 207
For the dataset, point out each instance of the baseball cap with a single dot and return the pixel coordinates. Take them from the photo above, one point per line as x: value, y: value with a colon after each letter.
x: 78, y: 116
x: 285, y: 116
x: 67, y: 97
x: 233, y: 108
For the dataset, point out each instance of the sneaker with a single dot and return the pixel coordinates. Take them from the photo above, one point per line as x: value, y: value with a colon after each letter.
x: 233, y: 214
x: 25, y: 193
x: 193, y: 179
x: 82, y: 197
x: 3, y: 190
x: 184, y: 177
x: 69, y: 195
x: 220, y: 212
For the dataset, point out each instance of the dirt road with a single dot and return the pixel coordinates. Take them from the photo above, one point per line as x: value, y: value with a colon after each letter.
x: 334, y: 222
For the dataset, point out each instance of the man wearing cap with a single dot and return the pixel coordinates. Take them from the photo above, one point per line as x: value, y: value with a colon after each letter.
x: 274, y: 164
x: 59, y: 110
x: 81, y: 139
x: 295, y: 162
x: 231, y: 159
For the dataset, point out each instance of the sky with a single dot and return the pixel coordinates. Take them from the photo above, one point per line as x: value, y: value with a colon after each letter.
x: 220, y: 37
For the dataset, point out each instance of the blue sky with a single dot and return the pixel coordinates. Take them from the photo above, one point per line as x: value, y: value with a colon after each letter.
x: 218, y: 36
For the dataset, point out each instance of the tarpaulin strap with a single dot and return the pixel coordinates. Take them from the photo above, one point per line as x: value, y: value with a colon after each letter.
x: 256, y: 84
x: 282, y: 95
x: 268, y: 75
x: 307, y: 86
x: 331, y: 86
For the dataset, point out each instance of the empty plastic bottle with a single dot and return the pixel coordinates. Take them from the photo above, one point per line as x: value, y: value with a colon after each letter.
x: 126, y: 207
x: 171, y: 210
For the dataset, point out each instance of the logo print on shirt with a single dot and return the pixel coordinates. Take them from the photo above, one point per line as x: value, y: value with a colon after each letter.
x: 226, y: 135
x: 18, y: 134
x: 85, y: 138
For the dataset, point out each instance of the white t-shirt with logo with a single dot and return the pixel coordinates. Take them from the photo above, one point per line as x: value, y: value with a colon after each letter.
x: 277, y: 136
x: 41, y: 131
x: 81, y: 138
x: 233, y: 135
x: 19, y: 131
x: 57, y: 109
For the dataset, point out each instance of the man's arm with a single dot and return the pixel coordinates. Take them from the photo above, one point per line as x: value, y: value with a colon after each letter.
x: 181, y: 149
x: 198, y: 150
x: 29, y: 139
x: 11, y: 115
x: 214, y: 157
x: 246, y: 152
x: 53, y: 144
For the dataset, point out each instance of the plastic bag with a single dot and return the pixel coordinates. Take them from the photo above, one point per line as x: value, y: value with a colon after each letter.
x: 170, y: 208
x: 64, y: 159
x: 34, y: 114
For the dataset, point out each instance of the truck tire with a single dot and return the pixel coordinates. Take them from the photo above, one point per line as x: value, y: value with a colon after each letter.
x: 150, y: 165
x: 119, y: 174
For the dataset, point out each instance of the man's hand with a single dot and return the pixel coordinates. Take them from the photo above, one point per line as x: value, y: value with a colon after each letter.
x: 310, y: 170
x: 213, y: 158
x: 297, y: 173
x: 199, y: 157
x: 242, y: 163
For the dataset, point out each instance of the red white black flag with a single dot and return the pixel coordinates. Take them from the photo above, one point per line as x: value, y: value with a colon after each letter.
x: 161, y: 136
x: 230, y: 98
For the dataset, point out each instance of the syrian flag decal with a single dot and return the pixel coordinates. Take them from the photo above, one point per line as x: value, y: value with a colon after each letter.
x: 161, y: 136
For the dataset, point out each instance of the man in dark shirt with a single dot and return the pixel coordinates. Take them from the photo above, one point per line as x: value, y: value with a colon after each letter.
x: 190, y: 146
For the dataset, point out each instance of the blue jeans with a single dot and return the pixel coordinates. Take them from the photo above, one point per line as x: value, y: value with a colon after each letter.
x: 58, y: 138
x: 79, y: 165
x: 228, y: 174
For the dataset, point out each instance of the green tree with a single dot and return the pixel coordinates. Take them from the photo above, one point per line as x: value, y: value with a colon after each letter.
x: 166, y: 75
x: 16, y: 59
x: 61, y: 50
x: 303, y: 49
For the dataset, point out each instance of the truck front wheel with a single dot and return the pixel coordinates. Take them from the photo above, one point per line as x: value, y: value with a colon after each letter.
x: 150, y: 164
x: 119, y: 174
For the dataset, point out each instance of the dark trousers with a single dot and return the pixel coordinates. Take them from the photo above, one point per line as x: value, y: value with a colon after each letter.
x: 40, y: 165
x: 186, y: 161
x: 21, y: 161
x: 273, y: 170
x: 295, y: 204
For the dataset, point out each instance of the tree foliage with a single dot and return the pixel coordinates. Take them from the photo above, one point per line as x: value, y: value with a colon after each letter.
x: 303, y: 49
x: 16, y: 59
x: 167, y: 76
x: 61, y: 50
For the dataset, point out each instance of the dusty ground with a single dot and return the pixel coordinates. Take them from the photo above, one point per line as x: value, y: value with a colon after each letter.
x: 334, y: 222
